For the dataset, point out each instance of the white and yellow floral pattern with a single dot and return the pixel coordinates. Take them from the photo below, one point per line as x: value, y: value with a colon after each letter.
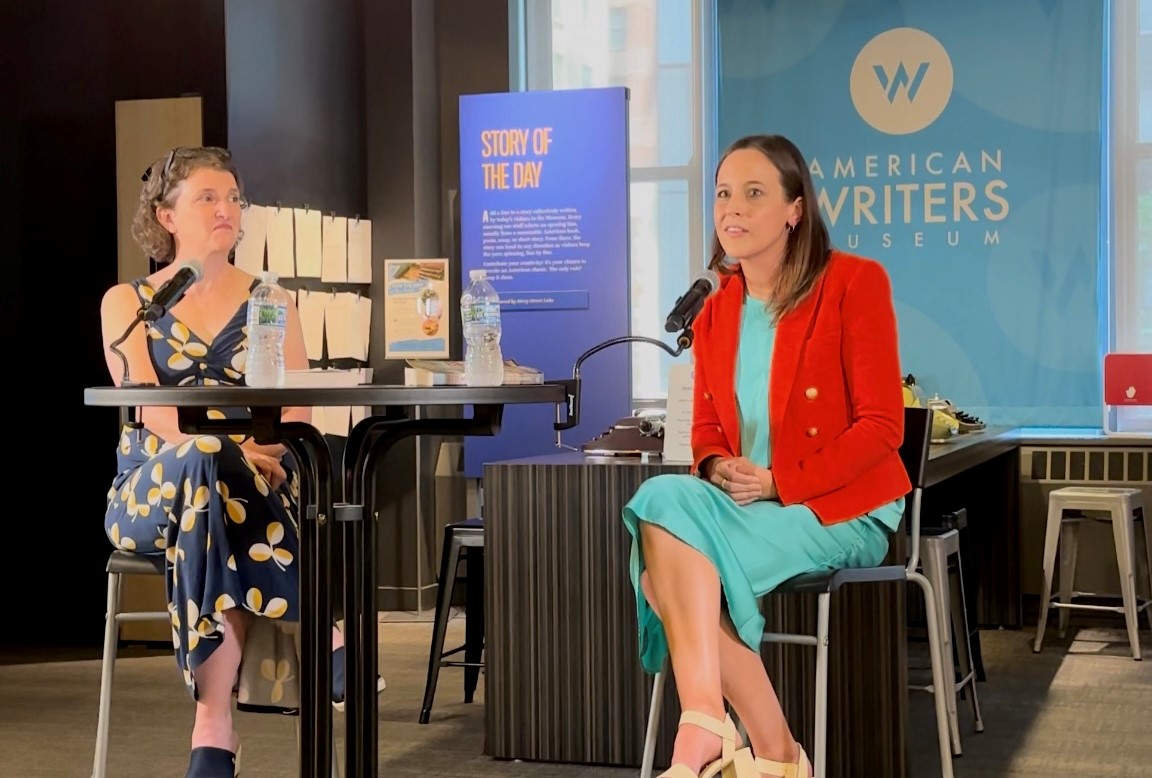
x: 229, y: 539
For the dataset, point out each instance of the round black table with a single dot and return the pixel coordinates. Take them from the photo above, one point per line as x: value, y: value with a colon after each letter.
x: 368, y: 440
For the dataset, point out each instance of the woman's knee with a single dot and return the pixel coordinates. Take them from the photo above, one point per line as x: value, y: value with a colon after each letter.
x: 656, y: 541
x: 649, y: 533
x: 221, y: 450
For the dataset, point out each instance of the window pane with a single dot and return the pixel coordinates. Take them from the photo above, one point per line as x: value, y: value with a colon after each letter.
x: 674, y: 32
x: 648, y: 46
x: 674, y: 100
x: 645, y: 45
x: 1139, y: 292
x: 660, y: 213
x: 617, y: 29
x: 1144, y: 85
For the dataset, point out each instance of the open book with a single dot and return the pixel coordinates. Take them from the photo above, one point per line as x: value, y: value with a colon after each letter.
x: 449, y: 372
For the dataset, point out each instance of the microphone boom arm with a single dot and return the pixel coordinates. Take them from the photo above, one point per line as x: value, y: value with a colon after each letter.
x: 572, y: 385
x: 125, y: 378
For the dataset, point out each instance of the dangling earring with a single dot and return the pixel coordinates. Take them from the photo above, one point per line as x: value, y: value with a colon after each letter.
x: 791, y: 227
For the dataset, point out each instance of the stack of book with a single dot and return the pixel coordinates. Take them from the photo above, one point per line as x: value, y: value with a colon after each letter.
x: 449, y: 372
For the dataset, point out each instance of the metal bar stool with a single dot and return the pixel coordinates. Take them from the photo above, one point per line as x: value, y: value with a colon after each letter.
x: 462, y: 540
x: 937, y: 548
x: 914, y: 453
x: 121, y: 563
x: 1068, y: 508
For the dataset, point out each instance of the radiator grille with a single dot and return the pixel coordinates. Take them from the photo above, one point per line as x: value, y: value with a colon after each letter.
x: 1086, y: 465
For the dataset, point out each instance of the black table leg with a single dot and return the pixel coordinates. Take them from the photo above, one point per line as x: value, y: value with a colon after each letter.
x: 356, y: 636
x: 311, y: 451
x: 368, y: 443
x: 307, y: 444
x: 474, y: 623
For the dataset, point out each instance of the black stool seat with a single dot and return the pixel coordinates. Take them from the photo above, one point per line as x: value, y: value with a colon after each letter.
x: 832, y: 580
x: 126, y: 563
x: 462, y: 540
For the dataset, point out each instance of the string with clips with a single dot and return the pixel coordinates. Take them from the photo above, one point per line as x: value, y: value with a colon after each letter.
x: 302, y: 283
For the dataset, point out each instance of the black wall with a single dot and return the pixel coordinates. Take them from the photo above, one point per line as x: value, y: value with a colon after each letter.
x: 70, y: 62
x: 346, y: 105
x: 419, y: 57
x: 295, y: 102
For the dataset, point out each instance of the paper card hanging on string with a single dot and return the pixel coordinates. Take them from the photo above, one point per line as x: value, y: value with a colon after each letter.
x: 281, y: 242
x: 359, y: 251
x: 308, y: 242
x: 343, y: 326
x: 253, y: 238
x: 362, y: 324
x: 415, y: 296
x: 334, y: 253
x: 311, y: 306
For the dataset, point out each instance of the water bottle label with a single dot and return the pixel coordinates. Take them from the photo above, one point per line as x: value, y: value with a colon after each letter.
x: 270, y: 314
x: 481, y: 313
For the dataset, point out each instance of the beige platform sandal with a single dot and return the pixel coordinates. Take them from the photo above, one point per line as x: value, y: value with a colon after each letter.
x: 732, y: 763
x: 801, y: 768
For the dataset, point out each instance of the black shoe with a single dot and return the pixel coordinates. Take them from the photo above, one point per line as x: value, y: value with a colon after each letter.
x: 338, y: 662
x: 209, y: 762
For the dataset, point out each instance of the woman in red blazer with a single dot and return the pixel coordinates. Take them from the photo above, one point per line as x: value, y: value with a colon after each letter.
x: 797, y: 421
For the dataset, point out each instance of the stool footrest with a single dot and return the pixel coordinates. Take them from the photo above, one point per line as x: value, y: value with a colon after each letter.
x: 1088, y: 607
x: 144, y: 616
x: 1097, y: 596
x: 453, y: 652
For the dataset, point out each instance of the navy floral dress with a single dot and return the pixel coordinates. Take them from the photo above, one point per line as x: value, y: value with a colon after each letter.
x: 229, y: 538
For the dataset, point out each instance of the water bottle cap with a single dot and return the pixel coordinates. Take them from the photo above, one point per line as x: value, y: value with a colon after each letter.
x: 478, y: 274
x: 269, y: 276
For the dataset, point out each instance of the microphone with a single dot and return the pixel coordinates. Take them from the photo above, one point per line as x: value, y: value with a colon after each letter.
x: 172, y: 291
x: 168, y: 295
x: 690, y: 303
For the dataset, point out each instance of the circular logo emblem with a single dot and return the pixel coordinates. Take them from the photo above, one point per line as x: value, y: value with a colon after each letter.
x: 901, y: 81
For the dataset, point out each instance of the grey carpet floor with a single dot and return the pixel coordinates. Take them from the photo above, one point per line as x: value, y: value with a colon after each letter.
x: 1082, y: 707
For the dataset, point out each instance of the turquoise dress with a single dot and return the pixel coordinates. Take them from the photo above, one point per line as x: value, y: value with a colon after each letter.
x: 754, y: 547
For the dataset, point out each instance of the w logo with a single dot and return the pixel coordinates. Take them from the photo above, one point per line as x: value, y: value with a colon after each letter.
x: 892, y: 84
x: 901, y: 62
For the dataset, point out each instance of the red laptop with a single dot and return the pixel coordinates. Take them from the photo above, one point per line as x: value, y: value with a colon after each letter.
x: 1127, y: 379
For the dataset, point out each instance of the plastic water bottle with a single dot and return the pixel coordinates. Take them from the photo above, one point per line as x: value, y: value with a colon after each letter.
x: 480, y: 315
x: 267, y: 321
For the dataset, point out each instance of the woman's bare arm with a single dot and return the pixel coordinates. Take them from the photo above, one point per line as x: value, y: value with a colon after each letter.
x: 117, y: 312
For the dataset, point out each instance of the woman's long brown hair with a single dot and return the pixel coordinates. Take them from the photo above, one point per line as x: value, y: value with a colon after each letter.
x: 809, y: 245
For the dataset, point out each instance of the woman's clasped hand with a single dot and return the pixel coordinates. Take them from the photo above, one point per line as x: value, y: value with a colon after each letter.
x: 744, y: 481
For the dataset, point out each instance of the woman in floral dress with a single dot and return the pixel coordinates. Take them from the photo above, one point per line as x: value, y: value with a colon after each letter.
x: 223, y: 510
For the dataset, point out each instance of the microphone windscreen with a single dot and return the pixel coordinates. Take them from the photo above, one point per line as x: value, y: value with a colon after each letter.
x: 712, y: 278
x: 193, y: 265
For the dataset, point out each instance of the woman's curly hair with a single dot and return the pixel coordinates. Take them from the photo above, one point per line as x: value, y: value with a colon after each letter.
x: 162, y: 186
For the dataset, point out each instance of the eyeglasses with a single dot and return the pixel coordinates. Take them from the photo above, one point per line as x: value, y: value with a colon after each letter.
x: 184, y: 152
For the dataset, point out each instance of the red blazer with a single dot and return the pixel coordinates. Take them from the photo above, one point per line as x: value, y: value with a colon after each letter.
x: 836, y: 408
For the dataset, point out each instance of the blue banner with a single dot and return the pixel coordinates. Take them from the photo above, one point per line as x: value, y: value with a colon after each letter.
x: 960, y: 145
x: 544, y: 209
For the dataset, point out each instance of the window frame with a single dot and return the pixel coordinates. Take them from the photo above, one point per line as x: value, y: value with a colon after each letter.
x: 1124, y: 154
x: 530, y: 67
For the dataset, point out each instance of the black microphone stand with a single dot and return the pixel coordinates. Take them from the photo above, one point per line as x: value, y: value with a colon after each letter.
x: 572, y: 385
x: 125, y: 379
